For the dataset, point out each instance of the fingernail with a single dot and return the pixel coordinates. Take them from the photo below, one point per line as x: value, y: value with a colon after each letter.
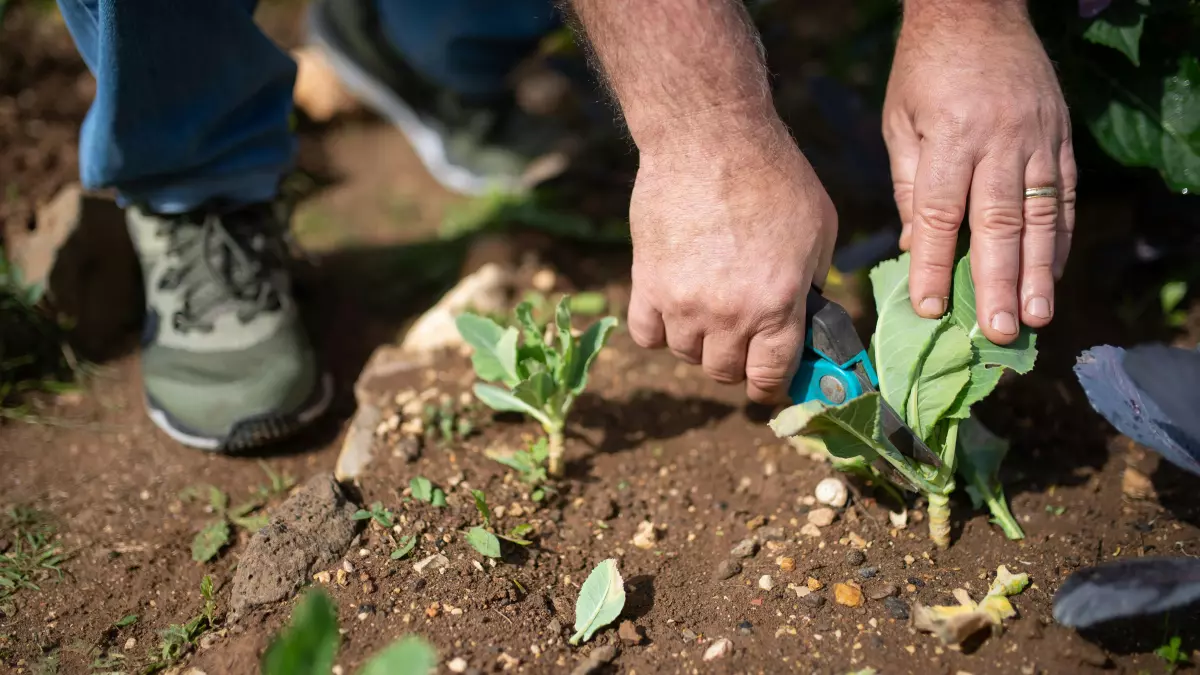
x: 1039, y: 307
x: 1003, y: 322
x: 932, y: 306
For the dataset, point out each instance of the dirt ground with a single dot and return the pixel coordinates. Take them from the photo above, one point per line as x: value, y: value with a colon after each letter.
x: 652, y: 441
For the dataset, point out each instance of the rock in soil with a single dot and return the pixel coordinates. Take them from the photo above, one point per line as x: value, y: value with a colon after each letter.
x: 630, y: 633
x: 847, y: 595
x: 599, y: 657
x: 1090, y: 654
x: 765, y: 582
x: 745, y: 628
x: 771, y: 533
x: 358, y: 448
x: 727, y: 569
x: 897, y: 608
x: 745, y: 549
x: 822, y: 517
x: 1136, y: 485
x: 880, y: 590
x: 855, y: 557
x: 437, y: 561
x: 718, y: 649
x: 812, y: 600
x: 868, y: 572
x: 312, y: 529
x: 457, y: 665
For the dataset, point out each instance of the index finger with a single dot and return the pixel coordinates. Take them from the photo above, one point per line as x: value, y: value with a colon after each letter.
x: 939, y: 204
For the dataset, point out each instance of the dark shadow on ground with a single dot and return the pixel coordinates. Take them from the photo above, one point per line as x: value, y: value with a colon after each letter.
x: 1145, y: 634
x: 647, y: 415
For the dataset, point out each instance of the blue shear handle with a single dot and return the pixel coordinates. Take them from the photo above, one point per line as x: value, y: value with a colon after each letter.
x: 806, y: 385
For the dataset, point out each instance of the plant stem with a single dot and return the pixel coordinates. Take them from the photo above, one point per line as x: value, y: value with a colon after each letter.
x: 939, y: 519
x: 1003, y: 517
x: 555, y: 452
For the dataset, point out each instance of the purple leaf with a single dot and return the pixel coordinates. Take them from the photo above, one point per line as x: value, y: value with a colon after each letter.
x: 1090, y: 8
x: 1149, y: 394
x: 1127, y: 588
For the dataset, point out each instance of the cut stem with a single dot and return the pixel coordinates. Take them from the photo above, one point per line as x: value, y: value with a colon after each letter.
x: 939, y: 519
x: 555, y: 452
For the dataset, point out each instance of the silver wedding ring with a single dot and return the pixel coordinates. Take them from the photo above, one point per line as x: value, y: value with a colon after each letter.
x: 1034, y: 193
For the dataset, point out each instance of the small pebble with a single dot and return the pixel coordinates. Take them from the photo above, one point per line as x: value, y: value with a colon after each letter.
x: 130, y: 644
x: 745, y: 628
x: 457, y: 665
x: 897, y: 608
x: 833, y: 492
x: 855, y: 557
x: 812, y: 600
x: 847, y: 595
x: 765, y: 582
x: 880, y: 590
x: 771, y: 533
x: 787, y: 564
x: 718, y: 649
x: 348, y: 566
x: 814, y: 584
x: 727, y: 569
x: 916, y: 582
x: 554, y: 627
x: 1092, y: 655
x: 630, y: 633
x: 822, y: 517
x: 419, y: 585
x: 868, y: 572
x: 688, y: 635
x: 362, y: 553
x: 810, y: 530
x: 744, y: 549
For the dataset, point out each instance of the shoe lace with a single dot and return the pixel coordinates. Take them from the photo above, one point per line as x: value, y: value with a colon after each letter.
x: 224, y: 264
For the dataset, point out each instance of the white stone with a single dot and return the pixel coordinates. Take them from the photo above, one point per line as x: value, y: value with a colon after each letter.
x: 832, y: 492
x: 718, y: 649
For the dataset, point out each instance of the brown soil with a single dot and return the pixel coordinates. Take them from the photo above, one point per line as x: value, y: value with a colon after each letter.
x: 652, y: 441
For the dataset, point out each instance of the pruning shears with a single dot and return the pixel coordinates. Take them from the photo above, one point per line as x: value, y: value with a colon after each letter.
x: 835, y: 368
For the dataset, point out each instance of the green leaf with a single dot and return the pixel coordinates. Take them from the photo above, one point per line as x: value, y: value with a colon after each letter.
x: 1120, y: 27
x: 309, y: 644
x: 980, y: 454
x: 481, y: 505
x: 588, y: 303
x: 209, y: 542
x: 517, y: 534
x: 941, y: 375
x: 588, y: 346
x: 252, y: 523
x: 494, y: 349
x: 529, y: 326
x: 601, y: 599
x: 439, y: 498
x: 902, y: 337
x: 361, y: 514
x: 988, y: 359
x: 422, y: 489
x: 504, y: 401
x: 410, y: 655
x: 128, y: 620
x: 483, y: 541
x: 537, y: 391
x: 1171, y: 294
x: 217, y: 499
x: 849, y: 432
x: 406, y: 545
x: 1150, y: 120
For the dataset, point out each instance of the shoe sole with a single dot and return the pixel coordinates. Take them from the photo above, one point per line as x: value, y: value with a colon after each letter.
x: 251, y: 432
x: 426, y: 138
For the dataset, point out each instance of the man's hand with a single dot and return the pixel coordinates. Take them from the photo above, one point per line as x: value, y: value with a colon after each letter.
x: 730, y: 225
x: 727, y: 239
x: 974, y: 115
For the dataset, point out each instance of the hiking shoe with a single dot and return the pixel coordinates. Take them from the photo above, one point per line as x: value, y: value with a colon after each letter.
x: 226, y: 362
x: 470, y: 146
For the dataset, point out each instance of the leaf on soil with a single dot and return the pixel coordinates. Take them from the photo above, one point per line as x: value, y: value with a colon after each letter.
x: 517, y: 534
x: 209, y: 541
x: 483, y: 541
x: 954, y: 624
x: 1007, y: 583
x: 126, y: 621
x: 601, y: 599
x: 406, y: 545
x: 309, y: 644
x: 409, y: 655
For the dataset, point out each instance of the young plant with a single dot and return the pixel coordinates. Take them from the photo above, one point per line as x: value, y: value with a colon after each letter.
x: 377, y: 513
x: 178, y: 639
x: 309, y: 644
x: 425, y: 491
x: 541, y: 374
x: 530, y: 466
x: 33, y: 555
x: 484, y: 538
x: 931, y: 371
x: 247, y: 515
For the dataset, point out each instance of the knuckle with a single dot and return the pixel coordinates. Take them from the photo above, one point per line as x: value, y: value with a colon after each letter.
x: 940, y: 217
x: 1001, y: 220
x: 724, y: 373
x: 1041, y: 214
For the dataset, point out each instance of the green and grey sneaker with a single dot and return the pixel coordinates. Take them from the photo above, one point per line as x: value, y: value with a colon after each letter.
x: 473, y: 147
x: 226, y: 362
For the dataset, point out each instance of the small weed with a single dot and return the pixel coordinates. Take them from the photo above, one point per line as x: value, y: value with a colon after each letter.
x: 32, y: 556
x: 1173, y: 653
x: 530, y: 466
x: 377, y: 513
x: 178, y: 639
x: 446, y: 424
x: 404, y: 547
x: 1055, y: 510
x: 484, y: 539
x: 247, y: 515
x: 126, y: 621
x: 425, y: 491
x: 1170, y: 297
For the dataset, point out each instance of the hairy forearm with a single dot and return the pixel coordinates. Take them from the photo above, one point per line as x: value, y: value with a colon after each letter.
x: 967, y: 15
x: 680, y: 68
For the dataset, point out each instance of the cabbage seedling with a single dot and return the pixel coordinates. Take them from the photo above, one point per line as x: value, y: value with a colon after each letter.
x: 541, y: 373
x: 931, y: 371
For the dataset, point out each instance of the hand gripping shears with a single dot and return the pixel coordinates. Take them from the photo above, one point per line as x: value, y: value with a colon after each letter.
x: 835, y: 368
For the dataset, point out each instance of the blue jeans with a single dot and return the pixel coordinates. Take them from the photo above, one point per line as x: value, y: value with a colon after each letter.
x: 193, y: 102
